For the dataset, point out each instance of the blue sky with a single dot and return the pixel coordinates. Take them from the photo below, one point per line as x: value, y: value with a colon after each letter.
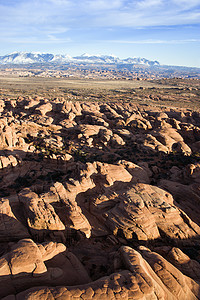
x: 163, y: 30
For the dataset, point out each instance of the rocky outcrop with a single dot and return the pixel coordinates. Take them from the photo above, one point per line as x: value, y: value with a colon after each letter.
x: 70, y: 212
x: 11, y: 229
x: 40, y: 216
x: 98, y: 200
x: 146, y: 275
x: 25, y: 266
x: 143, y: 212
x: 181, y: 261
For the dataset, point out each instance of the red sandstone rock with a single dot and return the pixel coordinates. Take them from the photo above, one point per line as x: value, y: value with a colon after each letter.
x: 86, y: 175
x: 10, y: 228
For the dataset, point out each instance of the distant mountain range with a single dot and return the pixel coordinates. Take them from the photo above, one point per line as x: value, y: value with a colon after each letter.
x: 42, y: 58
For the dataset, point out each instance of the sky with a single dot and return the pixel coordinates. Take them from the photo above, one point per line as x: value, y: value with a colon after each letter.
x: 163, y: 30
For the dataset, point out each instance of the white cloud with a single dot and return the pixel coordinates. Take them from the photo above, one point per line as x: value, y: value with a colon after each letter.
x: 49, y: 39
x: 103, y: 4
x: 146, y: 4
x: 60, y: 2
x: 58, y: 16
x: 186, y: 3
x: 154, y: 41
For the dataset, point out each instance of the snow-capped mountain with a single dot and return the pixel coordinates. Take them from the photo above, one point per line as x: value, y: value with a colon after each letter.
x: 25, y: 58
x: 98, y: 59
x: 37, y: 57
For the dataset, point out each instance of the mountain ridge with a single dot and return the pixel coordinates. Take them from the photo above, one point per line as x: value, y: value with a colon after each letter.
x: 37, y: 57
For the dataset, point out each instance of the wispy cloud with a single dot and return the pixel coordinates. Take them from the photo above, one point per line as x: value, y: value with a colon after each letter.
x: 154, y: 41
x: 185, y: 4
x: 60, y: 2
x: 146, y: 4
x: 86, y: 13
x: 85, y: 22
x: 103, y: 5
